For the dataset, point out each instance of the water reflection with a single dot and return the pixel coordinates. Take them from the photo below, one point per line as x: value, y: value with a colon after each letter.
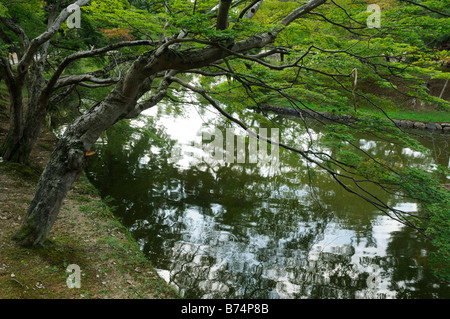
x: 237, y: 230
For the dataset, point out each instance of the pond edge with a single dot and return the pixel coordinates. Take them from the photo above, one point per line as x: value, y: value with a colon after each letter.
x: 440, y: 127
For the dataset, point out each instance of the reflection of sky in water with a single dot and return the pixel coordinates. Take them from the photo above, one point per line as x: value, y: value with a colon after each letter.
x: 339, y: 250
x: 185, y: 130
x: 203, y: 238
x: 189, y: 131
x: 206, y: 236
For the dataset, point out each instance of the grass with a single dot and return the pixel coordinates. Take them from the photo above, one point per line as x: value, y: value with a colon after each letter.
x: 40, y: 272
x: 433, y: 116
x: 88, y: 235
x: 423, y: 116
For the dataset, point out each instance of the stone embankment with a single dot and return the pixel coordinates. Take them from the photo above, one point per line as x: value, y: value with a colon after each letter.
x: 407, y: 124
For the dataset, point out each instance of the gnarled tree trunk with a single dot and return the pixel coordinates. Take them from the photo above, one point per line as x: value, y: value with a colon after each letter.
x: 21, y: 139
x: 22, y: 133
x: 68, y: 159
x: 66, y: 164
x: 64, y: 167
x: 9, y: 148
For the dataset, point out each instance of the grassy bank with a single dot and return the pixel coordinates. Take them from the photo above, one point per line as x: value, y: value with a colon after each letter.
x: 424, y: 115
x: 421, y: 116
x: 86, y: 233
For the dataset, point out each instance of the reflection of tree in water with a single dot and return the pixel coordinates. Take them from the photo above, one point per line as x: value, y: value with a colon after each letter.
x: 233, y: 232
x: 412, y: 277
x: 439, y: 146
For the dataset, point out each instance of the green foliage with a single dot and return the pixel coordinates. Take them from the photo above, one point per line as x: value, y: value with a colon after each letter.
x: 434, y: 200
x: 349, y: 158
x: 337, y: 135
x: 374, y: 170
x: 408, y: 33
x: 29, y: 14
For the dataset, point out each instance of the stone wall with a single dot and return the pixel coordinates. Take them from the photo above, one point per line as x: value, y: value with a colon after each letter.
x: 444, y: 127
x: 408, y: 124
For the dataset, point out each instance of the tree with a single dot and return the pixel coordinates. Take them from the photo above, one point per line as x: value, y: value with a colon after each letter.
x: 46, y: 85
x: 229, y: 38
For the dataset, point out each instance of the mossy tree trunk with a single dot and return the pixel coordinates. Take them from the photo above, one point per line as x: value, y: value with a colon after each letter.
x: 64, y: 167
x: 66, y: 164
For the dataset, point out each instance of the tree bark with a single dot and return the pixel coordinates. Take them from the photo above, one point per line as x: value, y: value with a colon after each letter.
x: 22, y: 135
x: 222, y: 15
x: 9, y: 150
x: 66, y: 164
x: 68, y: 159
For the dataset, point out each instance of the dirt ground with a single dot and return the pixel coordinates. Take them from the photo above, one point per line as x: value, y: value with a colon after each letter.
x: 86, y: 234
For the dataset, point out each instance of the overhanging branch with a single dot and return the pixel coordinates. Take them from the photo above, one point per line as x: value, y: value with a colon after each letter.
x: 46, y: 36
x: 86, y: 54
x: 297, y: 13
x: 17, y: 30
x: 426, y: 7
x: 74, y: 79
x: 398, y: 215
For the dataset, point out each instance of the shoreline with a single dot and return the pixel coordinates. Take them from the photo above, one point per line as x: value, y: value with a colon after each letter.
x: 86, y: 234
x: 440, y: 127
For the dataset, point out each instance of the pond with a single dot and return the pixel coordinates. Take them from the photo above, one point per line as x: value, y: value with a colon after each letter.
x: 275, y: 228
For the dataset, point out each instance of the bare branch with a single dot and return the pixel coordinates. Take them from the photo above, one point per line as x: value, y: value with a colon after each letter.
x: 253, y: 7
x: 282, y: 67
x: 86, y: 54
x: 95, y: 86
x: 347, y: 14
x: 61, y: 95
x: 349, y: 29
x: 426, y: 7
x: 297, y: 13
x: 73, y: 79
x: 269, y: 53
x: 44, y: 37
x: 205, y: 73
x: 159, y: 94
x: 5, y: 69
x: 17, y: 30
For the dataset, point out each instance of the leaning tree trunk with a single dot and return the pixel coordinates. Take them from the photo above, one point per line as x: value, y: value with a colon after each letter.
x: 66, y: 164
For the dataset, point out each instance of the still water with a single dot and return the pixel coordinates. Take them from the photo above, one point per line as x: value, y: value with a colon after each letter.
x: 216, y: 229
